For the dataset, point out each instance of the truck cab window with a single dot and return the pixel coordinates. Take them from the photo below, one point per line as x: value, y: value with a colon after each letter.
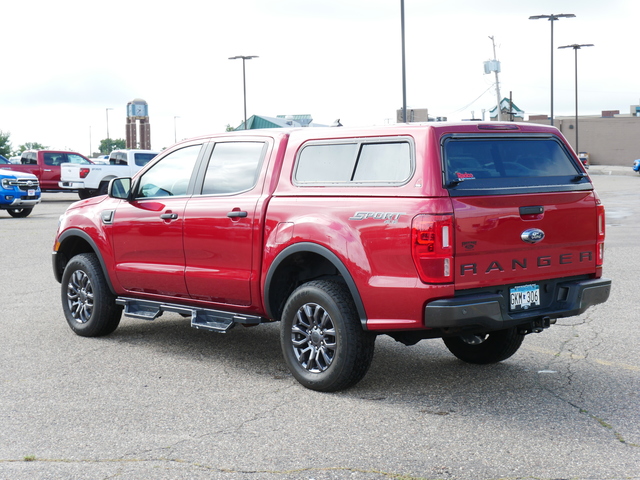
x: 171, y: 175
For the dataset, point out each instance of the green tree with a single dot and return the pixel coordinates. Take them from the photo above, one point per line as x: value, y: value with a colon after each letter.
x: 30, y: 146
x: 5, y: 144
x: 107, y: 145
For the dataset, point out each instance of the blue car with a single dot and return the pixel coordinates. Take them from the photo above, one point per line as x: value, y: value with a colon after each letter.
x: 636, y: 165
x: 19, y: 192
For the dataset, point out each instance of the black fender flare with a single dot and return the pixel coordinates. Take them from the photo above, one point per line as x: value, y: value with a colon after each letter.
x: 328, y: 255
x: 76, y: 232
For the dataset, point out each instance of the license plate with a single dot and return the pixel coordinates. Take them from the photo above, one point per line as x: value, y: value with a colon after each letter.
x: 31, y: 193
x: 524, y: 296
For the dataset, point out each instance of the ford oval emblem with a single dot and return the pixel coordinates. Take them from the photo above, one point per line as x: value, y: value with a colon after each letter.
x: 532, y: 235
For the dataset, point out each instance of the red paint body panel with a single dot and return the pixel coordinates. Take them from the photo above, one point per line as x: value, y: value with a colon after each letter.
x: 488, y: 246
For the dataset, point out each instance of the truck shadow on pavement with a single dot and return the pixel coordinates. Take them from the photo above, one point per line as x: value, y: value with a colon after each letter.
x: 423, y: 369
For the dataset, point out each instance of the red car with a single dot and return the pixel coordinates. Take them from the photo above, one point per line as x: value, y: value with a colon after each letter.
x: 476, y: 233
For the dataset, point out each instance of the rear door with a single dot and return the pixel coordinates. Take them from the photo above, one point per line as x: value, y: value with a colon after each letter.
x: 222, y: 223
x: 51, y: 169
x: 524, y: 210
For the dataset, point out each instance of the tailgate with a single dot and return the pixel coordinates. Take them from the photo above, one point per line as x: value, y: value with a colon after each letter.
x: 70, y: 172
x: 524, y: 210
x: 513, y: 239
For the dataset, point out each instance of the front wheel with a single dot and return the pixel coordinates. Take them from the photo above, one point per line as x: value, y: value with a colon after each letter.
x: 88, y: 304
x: 19, y: 212
x: 322, y: 340
x: 487, y: 348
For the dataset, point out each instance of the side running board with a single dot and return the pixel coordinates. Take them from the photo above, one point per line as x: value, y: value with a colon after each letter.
x: 201, y: 318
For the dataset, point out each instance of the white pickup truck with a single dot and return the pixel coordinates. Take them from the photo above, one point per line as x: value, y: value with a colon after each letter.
x: 92, y: 180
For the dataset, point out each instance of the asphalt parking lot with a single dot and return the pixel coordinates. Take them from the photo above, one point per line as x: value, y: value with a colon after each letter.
x: 159, y: 400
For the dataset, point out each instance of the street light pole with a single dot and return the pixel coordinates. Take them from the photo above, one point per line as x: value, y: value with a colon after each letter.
x: 244, y: 82
x: 404, y: 67
x: 552, y: 18
x: 175, y: 135
x: 577, y: 47
x: 108, y: 138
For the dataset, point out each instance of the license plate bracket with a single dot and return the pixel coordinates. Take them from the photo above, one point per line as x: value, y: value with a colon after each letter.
x: 524, y: 297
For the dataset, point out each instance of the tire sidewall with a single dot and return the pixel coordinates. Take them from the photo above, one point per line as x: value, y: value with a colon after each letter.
x: 100, y: 321
x: 313, y: 293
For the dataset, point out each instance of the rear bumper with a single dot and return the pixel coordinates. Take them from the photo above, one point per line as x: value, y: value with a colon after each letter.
x: 490, y: 310
x: 71, y: 185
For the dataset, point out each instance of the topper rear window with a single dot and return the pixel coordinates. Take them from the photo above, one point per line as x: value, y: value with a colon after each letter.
x: 481, y: 165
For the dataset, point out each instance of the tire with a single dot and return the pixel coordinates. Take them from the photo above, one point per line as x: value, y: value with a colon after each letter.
x: 19, y: 212
x: 322, y: 339
x: 492, y: 347
x: 104, y: 187
x: 88, y: 304
x: 85, y: 193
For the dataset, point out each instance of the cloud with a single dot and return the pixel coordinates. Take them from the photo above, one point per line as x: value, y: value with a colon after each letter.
x: 92, y: 88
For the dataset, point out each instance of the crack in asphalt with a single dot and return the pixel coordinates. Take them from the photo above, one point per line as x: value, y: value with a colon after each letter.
x: 573, y: 357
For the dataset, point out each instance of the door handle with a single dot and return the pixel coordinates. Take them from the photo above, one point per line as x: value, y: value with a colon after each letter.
x: 237, y: 214
x: 169, y: 216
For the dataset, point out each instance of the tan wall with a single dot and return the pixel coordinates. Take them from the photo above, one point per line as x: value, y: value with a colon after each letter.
x: 609, y: 141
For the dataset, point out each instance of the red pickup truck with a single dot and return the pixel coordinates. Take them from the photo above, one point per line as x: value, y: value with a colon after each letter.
x: 45, y: 164
x: 476, y: 233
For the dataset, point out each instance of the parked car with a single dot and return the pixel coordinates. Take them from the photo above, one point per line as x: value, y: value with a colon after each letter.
x: 476, y: 233
x: 19, y: 192
x: 636, y: 165
x: 45, y: 164
x: 584, y: 158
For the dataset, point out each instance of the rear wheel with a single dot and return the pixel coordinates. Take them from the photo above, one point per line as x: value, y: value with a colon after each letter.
x: 322, y: 339
x: 85, y: 193
x: 104, y: 187
x: 19, y: 212
x: 491, y: 347
x: 88, y: 304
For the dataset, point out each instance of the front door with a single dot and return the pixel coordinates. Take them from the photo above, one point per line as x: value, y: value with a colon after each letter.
x: 147, y: 231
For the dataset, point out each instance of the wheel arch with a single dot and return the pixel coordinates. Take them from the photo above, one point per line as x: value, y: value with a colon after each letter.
x: 71, y: 243
x: 302, y: 262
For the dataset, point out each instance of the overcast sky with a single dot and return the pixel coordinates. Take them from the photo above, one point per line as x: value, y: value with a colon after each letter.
x: 66, y: 62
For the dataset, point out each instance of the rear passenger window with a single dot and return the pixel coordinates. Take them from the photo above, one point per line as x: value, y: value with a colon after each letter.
x: 233, y: 167
x: 493, y: 163
x: 378, y: 162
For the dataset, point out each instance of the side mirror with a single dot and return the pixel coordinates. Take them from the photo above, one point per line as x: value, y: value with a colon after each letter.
x: 120, y: 188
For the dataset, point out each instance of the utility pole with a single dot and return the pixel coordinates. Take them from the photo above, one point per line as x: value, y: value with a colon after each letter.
x: 496, y: 70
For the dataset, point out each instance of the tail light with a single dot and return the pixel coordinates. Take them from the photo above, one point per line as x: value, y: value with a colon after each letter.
x: 600, y: 235
x: 84, y: 172
x: 432, y: 247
